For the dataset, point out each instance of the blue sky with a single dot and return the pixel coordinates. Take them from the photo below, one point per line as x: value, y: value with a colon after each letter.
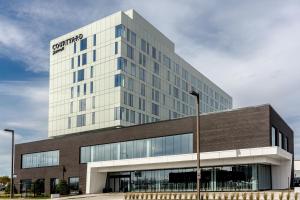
x: 249, y: 48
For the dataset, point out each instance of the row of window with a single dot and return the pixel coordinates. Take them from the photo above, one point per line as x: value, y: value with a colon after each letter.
x: 81, y: 74
x: 83, y: 90
x: 81, y: 120
x: 41, y: 159
x: 160, y: 146
x: 279, y: 139
x: 121, y: 113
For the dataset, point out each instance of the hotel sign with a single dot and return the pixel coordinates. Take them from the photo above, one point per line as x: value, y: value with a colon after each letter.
x: 60, y: 46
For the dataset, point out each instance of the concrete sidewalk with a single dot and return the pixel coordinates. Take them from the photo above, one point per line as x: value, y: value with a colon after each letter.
x: 106, y: 196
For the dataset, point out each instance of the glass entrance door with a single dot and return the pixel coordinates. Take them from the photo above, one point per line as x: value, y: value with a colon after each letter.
x: 119, y: 183
x: 125, y: 184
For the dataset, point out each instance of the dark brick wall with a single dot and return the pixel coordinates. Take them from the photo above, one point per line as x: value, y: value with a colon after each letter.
x: 242, y: 128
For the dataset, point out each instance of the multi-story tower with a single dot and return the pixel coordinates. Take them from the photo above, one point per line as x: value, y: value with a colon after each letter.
x: 121, y: 71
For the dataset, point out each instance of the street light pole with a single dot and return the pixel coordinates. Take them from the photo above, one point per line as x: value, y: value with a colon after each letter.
x: 12, y: 161
x: 196, y: 94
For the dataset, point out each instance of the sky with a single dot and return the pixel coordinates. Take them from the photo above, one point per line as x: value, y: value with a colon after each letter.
x: 249, y: 48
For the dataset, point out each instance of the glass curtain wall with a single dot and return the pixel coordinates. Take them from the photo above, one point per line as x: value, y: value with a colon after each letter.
x: 225, y: 178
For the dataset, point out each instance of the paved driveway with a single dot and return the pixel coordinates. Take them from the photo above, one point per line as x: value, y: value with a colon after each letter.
x: 113, y: 196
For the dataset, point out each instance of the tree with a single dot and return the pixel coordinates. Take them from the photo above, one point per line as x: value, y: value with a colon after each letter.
x: 4, y: 180
x: 62, y: 187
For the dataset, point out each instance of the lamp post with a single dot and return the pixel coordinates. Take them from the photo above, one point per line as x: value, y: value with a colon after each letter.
x: 196, y: 94
x: 12, y: 161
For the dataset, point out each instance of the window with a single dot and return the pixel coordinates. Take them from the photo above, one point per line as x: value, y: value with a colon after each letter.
x: 74, y: 185
x: 94, y: 55
x: 125, y: 97
x: 74, y: 77
x: 155, y: 82
x: 94, y: 40
x: 82, y: 105
x: 132, y: 116
x: 142, y: 104
x: 116, y: 47
x: 74, y: 47
x: 130, y: 84
x: 72, y: 92
x: 280, y: 140
x: 69, y: 122
x: 156, y: 68
x: 155, y: 109
x: 133, y: 69
x: 122, y: 64
x: 176, y: 92
x: 142, y: 74
x: 84, y: 59
x: 78, y: 61
x: 91, y: 87
x: 93, y: 117
x: 143, y: 89
x: 72, y: 63
x: 92, y: 72
x: 120, y: 31
x: 128, y: 34
x: 130, y: 52
x: 80, y: 75
x: 41, y: 159
x: 119, y: 113
x: 78, y: 90
x: 133, y: 38
x: 119, y: 80
x: 83, y: 44
x: 273, y: 136
x: 153, y: 52
x: 94, y: 102
x: 285, y: 143
x: 130, y: 99
x: 167, y: 61
x: 148, y: 46
x: 80, y: 120
x: 155, y: 95
x: 143, y: 45
x: 84, y: 89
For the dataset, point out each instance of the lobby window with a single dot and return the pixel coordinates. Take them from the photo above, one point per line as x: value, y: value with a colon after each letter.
x: 130, y: 52
x: 142, y: 74
x: 143, y: 45
x: 273, y: 136
x: 78, y: 61
x: 82, y: 105
x: 116, y: 47
x: 83, y: 44
x: 84, y: 59
x: 80, y: 75
x: 92, y: 72
x: 84, y: 89
x: 143, y: 89
x: 80, y: 120
x: 154, y: 52
x: 69, y: 122
x: 74, y: 77
x: 74, y: 185
x: 119, y: 80
x: 155, y: 109
x: 91, y: 87
x: 93, y: 117
x: 130, y: 84
x: 94, y: 55
x: 156, y: 68
x: 120, y: 31
x: 94, y: 40
x: 72, y: 63
x: 122, y: 64
x: 41, y: 159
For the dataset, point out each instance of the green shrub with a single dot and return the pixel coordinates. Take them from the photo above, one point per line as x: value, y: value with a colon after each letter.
x: 244, y: 196
x: 288, y: 196
x: 232, y: 196
x: 237, y: 196
x: 281, y: 196
x: 251, y: 196
x: 296, y: 196
x: 272, y: 196
x: 265, y: 196
x: 257, y: 196
x: 62, y: 187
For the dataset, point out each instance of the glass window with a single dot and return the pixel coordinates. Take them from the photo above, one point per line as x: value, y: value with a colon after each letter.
x: 156, y: 82
x: 130, y: 52
x: 153, y: 52
x: 41, y: 159
x: 80, y: 75
x: 130, y: 99
x: 94, y: 55
x: 94, y: 102
x: 120, y: 31
x: 92, y: 72
x: 83, y: 44
x: 74, y: 47
x: 119, y: 80
x: 116, y: 47
x: 133, y: 69
x: 156, y: 68
x: 72, y: 63
x: 273, y: 136
x: 72, y: 92
x: 74, y: 185
x: 155, y: 109
x: 130, y: 84
x: 280, y: 140
x: 81, y: 120
x: 74, y: 77
x: 84, y: 89
x: 69, y: 122
x: 132, y: 116
x: 94, y: 39
x: 122, y: 64
x: 142, y: 74
x: 78, y: 90
x: 143, y: 89
x: 78, y: 61
x: 84, y: 59
x: 91, y: 87
x: 143, y: 45
x: 93, y: 117
x: 133, y: 38
x: 155, y: 95
x: 82, y: 105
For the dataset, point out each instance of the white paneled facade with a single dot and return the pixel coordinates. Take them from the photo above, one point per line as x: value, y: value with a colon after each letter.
x: 130, y: 75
